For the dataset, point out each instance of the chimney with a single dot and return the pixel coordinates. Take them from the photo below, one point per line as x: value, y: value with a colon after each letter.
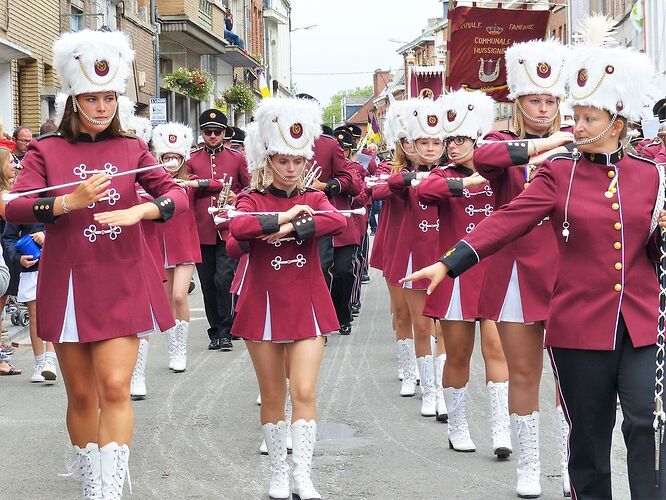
x: 380, y: 80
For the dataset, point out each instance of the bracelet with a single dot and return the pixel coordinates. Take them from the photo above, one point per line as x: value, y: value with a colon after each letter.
x: 63, y: 205
x: 536, y: 148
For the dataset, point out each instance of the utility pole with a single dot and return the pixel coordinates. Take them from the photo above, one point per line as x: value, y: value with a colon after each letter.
x: 156, y: 24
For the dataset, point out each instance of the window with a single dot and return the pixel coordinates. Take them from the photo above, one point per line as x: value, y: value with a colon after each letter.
x: 76, y: 18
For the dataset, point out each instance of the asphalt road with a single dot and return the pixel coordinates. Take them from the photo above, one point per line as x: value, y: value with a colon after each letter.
x: 197, y: 433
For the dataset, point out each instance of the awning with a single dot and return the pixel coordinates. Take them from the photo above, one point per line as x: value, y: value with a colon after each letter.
x: 10, y: 51
x: 428, y: 70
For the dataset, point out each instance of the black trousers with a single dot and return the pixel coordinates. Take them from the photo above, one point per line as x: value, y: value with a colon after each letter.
x: 374, y: 214
x: 589, y: 383
x: 216, y: 273
x: 337, y: 264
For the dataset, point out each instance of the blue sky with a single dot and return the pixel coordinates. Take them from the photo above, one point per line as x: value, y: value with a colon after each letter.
x: 351, y: 36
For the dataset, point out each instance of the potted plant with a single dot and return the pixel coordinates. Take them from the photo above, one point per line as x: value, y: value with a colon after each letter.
x: 241, y: 97
x: 195, y: 83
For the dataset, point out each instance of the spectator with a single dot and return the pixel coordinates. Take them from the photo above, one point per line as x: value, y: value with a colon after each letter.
x: 229, y: 35
x: 7, y: 174
x: 48, y: 127
x: 22, y: 137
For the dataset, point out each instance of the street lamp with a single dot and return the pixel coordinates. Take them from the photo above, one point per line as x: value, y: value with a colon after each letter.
x: 308, y: 27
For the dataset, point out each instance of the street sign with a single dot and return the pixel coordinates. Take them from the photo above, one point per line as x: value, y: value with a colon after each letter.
x: 158, y: 110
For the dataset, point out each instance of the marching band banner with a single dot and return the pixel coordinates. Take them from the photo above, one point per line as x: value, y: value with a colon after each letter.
x: 479, y: 36
x: 426, y: 81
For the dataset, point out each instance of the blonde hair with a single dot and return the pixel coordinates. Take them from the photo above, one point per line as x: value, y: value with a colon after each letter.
x: 518, y: 122
x: 263, y: 177
x: 5, y: 156
x: 399, y: 161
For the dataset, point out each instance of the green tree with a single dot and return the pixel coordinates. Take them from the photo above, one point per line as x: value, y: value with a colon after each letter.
x: 333, y: 112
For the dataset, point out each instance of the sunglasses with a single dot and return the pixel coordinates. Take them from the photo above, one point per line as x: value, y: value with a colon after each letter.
x: 213, y: 131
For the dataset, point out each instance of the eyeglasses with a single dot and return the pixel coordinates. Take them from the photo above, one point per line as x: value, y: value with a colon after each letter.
x: 213, y: 131
x: 458, y: 140
x: 24, y: 141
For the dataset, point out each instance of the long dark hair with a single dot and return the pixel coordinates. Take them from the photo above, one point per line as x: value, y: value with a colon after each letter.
x: 71, y: 129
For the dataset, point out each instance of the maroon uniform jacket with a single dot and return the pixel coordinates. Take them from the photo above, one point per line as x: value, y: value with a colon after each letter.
x: 149, y: 228
x: 285, y: 296
x: 363, y: 199
x: 535, y: 253
x: 460, y: 211
x: 104, y: 275
x: 605, y: 268
x: 652, y: 149
x: 417, y: 240
x: 209, y: 167
x: 179, y: 239
x: 382, y: 193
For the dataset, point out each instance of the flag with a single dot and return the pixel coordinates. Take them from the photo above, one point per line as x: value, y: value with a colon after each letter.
x: 263, y: 85
x: 373, y: 129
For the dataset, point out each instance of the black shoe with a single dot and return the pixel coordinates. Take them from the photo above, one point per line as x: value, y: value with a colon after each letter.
x: 192, y: 287
x: 214, y: 345
x: 235, y: 337
x: 226, y: 344
x: 345, y: 329
x: 365, y: 279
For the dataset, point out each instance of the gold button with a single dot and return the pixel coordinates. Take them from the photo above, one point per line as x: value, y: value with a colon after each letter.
x: 617, y: 245
x: 615, y: 206
x: 611, y: 173
x: 617, y: 226
x: 618, y: 287
x: 618, y: 266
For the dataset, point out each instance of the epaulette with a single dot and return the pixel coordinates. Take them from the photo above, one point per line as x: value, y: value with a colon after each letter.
x: 196, y: 149
x: 561, y: 156
x: 647, y: 160
x: 47, y: 135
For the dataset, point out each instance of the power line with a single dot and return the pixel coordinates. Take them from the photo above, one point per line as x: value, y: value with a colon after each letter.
x: 339, y: 73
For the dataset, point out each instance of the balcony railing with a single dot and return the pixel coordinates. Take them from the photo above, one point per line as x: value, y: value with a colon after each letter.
x: 206, y: 14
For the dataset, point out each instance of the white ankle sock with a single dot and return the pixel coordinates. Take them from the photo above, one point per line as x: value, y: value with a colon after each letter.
x: 51, y: 355
x: 40, y: 359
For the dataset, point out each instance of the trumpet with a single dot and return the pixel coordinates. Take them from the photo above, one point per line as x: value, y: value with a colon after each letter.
x: 223, y: 198
x: 310, y: 175
x: 232, y: 214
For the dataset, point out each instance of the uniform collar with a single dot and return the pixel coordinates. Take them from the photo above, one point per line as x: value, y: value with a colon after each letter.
x: 423, y: 168
x: 83, y: 137
x: 279, y: 193
x: 605, y: 158
x: 213, y: 151
x: 463, y: 170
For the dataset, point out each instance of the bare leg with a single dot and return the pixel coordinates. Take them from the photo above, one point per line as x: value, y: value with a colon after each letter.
x: 459, y: 337
x: 304, y: 361
x: 423, y: 326
x: 493, y: 355
x: 182, y: 275
x: 401, y: 315
x: 269, y: 365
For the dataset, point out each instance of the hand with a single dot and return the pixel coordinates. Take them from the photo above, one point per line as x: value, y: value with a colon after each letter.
x: 89, y: 191
x: 26, y: 261
x: 558, y: 139
x: 38, y: 238
x: 662, y: 219
x: 474, y: 180
x: 422, y: 175
x: 232, y: 198
x: 285, y: 229
x: 184, y: 183
x: 435, y: 273
x: 127, y: 217
x: 297, y: 210
x: 318, y: 185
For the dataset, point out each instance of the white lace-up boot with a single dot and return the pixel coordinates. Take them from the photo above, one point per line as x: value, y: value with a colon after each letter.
x: 458, y: 430
x: 263, y: 449
x: 115, y: 470
x: 526, y: 431
x: 500, y: 423
x: 428, y: 397
x: 401, y: 371
x: 87, y: 466
x: 563, y: 437
x: 440, y: 403
x: 180, y: 352
x: 138, y: 383
x: 406, y: 352
x: 304, y: 433
x: 172, y: 340
x: 275, y: 436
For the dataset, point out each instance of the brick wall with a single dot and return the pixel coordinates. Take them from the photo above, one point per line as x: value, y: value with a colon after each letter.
x: 256, y: 41
x: 142, y: 42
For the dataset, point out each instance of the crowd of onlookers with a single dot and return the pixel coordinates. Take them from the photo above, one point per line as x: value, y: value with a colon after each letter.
x: 21, y: 266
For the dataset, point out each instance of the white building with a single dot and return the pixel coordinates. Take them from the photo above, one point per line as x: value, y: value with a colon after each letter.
x: 277, y: 26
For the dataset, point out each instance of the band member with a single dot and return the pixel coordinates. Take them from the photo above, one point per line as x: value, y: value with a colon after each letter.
x: 387, y: 235
x: 210, y: 166
x: 517, y: 288
x: 602, y: 202
x: 285, y: 308
x: 92, y: 305
x: 467, y: 117
x: 178, y: 238
x: 418, y: 234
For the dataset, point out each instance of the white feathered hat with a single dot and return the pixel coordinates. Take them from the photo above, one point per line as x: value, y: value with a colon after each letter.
x: 423, y: 119
x: 395, y: 123
x: 467, y: 114
x: 255, y: 151
x: 289, y: 126
x: 616, y: 79
x: 536, y: 67
x: 125, y: 111
x: 93, y: 61
x: 60, y: 104
x: 141, y: 126
x: 173, y: 137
